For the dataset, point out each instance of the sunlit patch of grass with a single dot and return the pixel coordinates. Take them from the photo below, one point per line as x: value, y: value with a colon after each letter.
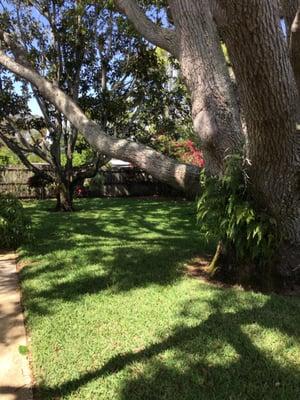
x: 112, y: 316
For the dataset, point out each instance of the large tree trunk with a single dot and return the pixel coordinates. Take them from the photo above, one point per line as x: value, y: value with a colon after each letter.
x: 215, y: 111
x: 64, y: 198
x: 269, y: 97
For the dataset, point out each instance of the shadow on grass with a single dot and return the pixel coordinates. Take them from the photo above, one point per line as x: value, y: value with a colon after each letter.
x: 118, y: 245
x: 121, y: 220
x: 246, y: 371
x: 112, y: 245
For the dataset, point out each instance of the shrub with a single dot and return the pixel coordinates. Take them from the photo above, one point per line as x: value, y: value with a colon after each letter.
x: 188, y: 152
x: 227, y: 212
x: 37, y: 181
x: 15, y: 226
x: 184, y: 150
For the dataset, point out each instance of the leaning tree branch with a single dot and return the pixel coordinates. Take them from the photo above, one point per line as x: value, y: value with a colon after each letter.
x: 18, y: 51
x: 179, y: 175
x: 161, y: 37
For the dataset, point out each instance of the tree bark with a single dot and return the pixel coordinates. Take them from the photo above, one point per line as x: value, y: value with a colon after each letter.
x: 161, y: 37
x: 215, y: 112
x: 268, y: 91
x: 64, y: 198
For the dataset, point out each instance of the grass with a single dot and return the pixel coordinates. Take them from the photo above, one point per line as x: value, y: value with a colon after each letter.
x: 112, y: 316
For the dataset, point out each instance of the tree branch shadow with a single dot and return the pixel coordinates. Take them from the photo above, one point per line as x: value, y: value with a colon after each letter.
x: 252, y: 373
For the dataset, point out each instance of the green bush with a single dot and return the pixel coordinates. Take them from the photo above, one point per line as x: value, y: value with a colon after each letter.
x: 37, y: 181
x: 227, y: 212
x: 15, y: 226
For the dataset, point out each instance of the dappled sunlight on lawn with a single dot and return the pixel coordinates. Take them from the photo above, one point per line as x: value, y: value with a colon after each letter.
x: 112, y: 316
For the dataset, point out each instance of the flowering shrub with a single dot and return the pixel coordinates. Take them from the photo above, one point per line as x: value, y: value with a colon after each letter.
x: 189, y: 153
x: 183, y: 150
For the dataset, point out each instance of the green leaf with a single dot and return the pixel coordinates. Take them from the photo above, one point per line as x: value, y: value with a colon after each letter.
x: 23, y: 350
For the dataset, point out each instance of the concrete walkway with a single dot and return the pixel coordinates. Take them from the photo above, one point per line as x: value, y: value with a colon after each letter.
x: 15, y: 378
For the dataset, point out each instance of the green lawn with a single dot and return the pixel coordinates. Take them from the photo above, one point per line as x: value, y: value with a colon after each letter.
x: 112, y: 316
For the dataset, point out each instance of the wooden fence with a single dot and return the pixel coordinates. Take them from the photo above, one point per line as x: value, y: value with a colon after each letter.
x: 119, y: 182
x: 14, y: 180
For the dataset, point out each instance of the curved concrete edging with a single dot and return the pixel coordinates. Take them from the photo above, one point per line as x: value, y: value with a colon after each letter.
x: 15, y: 377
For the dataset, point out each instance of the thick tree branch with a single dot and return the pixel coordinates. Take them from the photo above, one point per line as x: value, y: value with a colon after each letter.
x: 9, y: 42
x: 181, y: 176
x: 215, y: 111
x: 161, y: 37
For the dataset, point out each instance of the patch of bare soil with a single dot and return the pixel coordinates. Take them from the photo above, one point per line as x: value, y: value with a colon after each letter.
x: 197, y: 268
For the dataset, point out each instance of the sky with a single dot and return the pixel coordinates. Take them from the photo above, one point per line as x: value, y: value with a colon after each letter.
x: 34, y: 107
